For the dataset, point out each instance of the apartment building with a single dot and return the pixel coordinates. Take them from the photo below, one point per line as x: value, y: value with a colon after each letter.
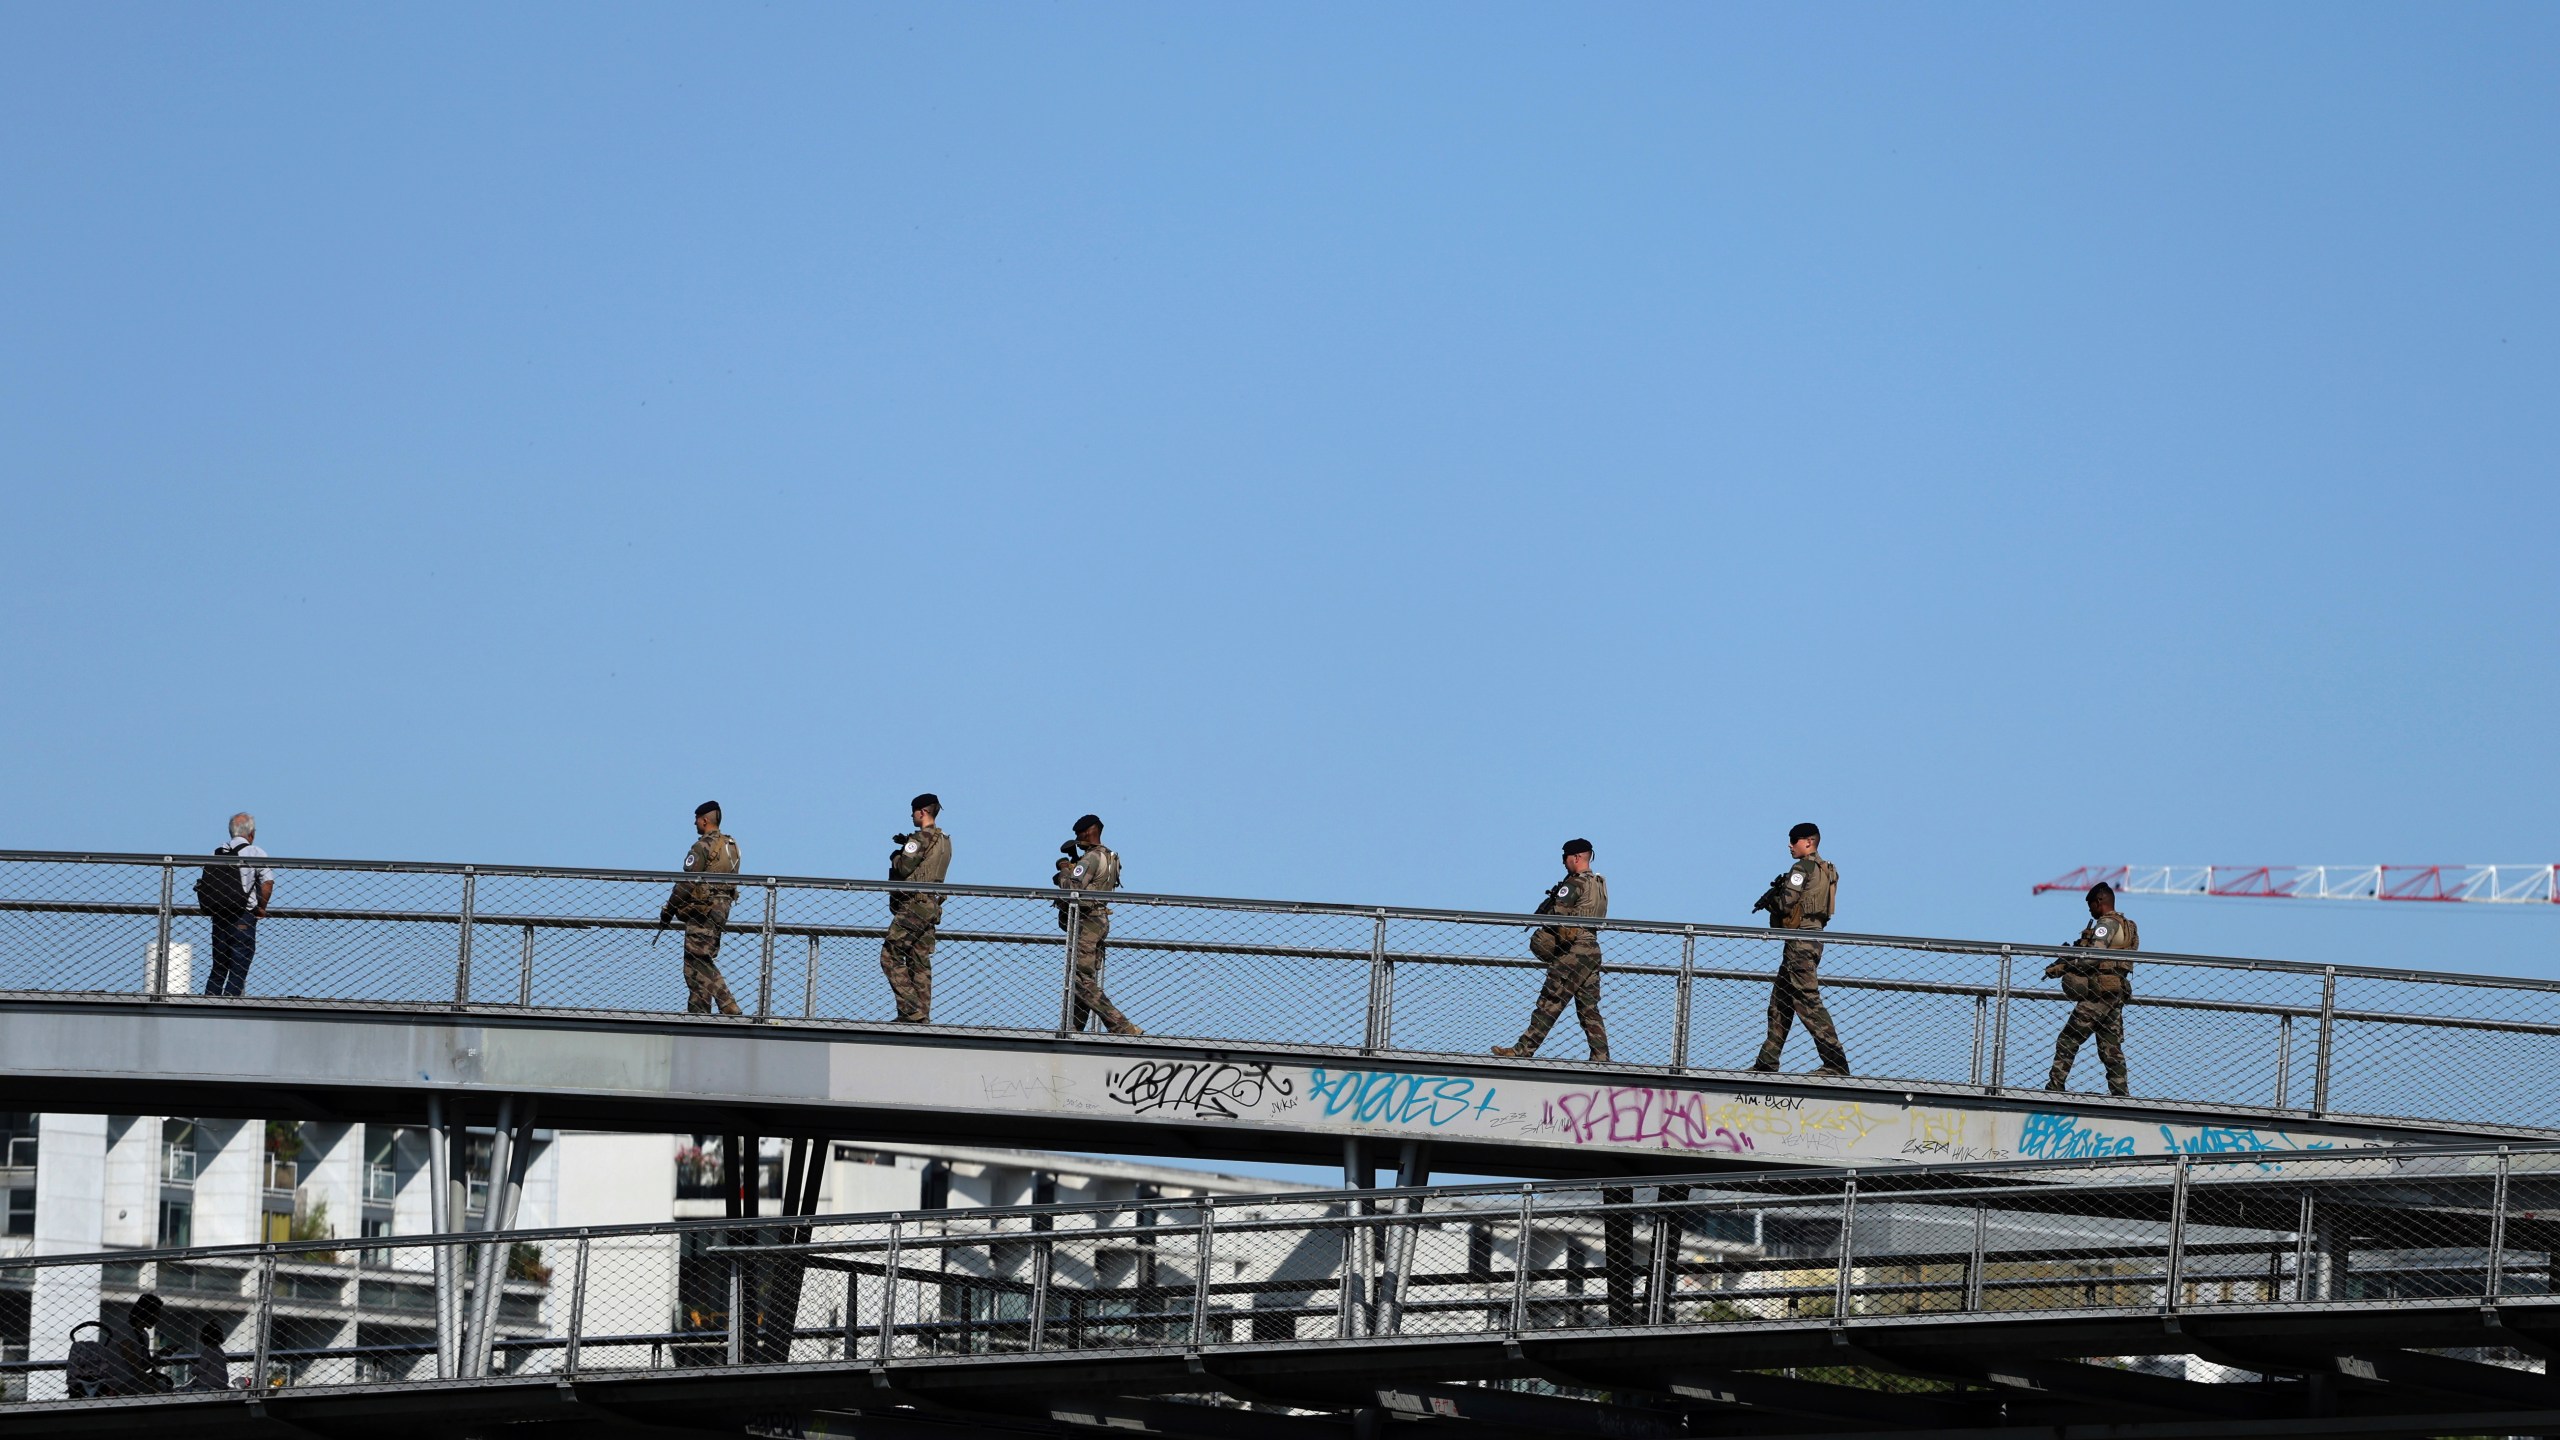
x: 87, y: 1184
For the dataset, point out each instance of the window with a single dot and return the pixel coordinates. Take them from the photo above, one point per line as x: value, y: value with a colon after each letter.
x: 276, y: 1226
x: 177, y: 1152
x: 376, y: 1228
x: 934, y: 1191
x: 22, y: 1212
x: 381, y: 1164
x: 177, y: 1224
x: 17, y: 1139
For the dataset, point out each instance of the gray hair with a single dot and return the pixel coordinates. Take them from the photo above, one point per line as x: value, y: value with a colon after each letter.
x: 244, y: 826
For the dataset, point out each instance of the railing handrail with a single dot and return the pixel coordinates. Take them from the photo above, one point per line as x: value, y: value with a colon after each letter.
x: 1506, y: 919
x: 1899, y: 1184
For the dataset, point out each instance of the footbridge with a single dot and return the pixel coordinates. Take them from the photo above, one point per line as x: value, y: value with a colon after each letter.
x: 2380, y: 1292
x: 1275, y: 1029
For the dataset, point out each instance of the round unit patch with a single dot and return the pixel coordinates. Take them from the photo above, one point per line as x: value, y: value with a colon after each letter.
x: 1797, y: 879
x: 913, y: 847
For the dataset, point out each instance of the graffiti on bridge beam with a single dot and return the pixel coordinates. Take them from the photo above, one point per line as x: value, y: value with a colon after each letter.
x: 2236, y: 1140
x: 1202, y: 1089
x: 2062, y: 1137
x: 1388, y: 1097
x: 1644, y: 1115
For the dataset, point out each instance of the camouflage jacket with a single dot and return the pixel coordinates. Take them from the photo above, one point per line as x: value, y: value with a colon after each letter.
x: 2111, y: 931
x: 1584, y: 896
x: 1803, y: 895
x: 696, y: 902
x: 1096, y: 868
x: 925, y: 858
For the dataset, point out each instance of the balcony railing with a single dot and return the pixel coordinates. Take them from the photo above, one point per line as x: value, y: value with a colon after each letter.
x: 381, y: 1184
x: 177, y: 1165
x: 282, y: 1175
x: 19, y: 1153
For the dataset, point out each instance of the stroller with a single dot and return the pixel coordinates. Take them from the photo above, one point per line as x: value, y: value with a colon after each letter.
x: 91, y: 1369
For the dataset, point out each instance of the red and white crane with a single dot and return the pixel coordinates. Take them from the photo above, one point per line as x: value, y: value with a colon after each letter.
x: 2442, y: 884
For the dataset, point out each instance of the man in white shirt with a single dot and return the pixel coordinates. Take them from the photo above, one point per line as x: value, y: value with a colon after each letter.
x: 235, y: 936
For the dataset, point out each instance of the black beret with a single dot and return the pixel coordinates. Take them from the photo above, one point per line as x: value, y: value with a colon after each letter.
x: 1577, y: 847
x: 1089, y: 822
x: 1806, y: 831
x: 2103, y: 891
x: 926, y: 801
x: 707, y: 807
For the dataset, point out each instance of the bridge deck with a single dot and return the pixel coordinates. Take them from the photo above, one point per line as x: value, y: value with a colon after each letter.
x: 1275, y: 1027
x: 1092, y: 1092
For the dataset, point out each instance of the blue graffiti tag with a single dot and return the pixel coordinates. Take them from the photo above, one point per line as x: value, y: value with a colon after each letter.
x: 2059, y: 1137
x: 2235, y: 1140
x: 1388, y: 1098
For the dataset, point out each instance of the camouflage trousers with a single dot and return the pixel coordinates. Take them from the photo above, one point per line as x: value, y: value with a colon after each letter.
x: 1092, y: 927
x: 906, y: 957
x: 1573, y: 977
x: 1798, y: 995
x: 703, y: 987
x: 2099, y: 1011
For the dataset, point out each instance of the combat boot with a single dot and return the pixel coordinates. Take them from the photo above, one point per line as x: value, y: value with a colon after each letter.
x: 1515, y: 1052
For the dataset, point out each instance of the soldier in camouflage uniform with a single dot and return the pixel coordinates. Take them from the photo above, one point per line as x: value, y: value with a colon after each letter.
x: 1572, y: 957
x: 1083, y: 864
x: 1801, y: 898
x: 703, y: 908
x: 906, y: 956
x: 2098, y: 988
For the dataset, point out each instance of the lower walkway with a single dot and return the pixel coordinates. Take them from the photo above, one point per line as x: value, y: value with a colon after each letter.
x: 2325, y: 1289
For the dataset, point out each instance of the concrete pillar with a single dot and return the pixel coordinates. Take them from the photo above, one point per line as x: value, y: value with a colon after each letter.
x: 413, y: 1205
x: 230, y: 1174
x: 71, y: 1169
x: 131, y: 1209
x: 611, y: 1179
x: 333, y: 1177
x: 541, y: 1202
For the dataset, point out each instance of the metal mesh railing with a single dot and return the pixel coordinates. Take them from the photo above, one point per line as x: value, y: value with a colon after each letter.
x: 2266, y: 1232
x: 2268, y: 1036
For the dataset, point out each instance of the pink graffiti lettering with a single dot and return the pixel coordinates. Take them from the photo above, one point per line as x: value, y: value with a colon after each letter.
x: 1643, y: 1115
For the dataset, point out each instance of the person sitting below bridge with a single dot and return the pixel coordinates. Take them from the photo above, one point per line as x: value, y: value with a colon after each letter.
x: 2097, y: 989
x: 127, y: 1365
x: 211, y: 1367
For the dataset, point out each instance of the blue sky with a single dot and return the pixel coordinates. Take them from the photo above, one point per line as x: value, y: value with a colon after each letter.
x: 1351, y: 448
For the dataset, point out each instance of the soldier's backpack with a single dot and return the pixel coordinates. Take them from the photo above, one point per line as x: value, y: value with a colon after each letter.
x: 219, y: 892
